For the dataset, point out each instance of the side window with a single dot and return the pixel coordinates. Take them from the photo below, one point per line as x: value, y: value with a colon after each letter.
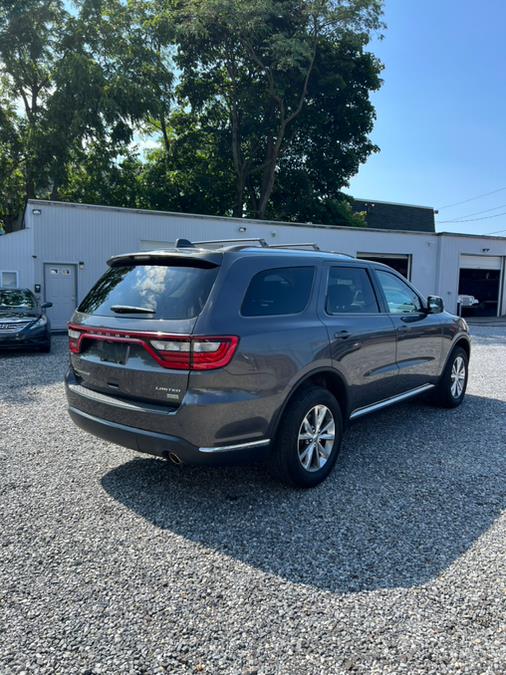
x: 350, y: 290
x: 285, y: 290
x: 400, y: 298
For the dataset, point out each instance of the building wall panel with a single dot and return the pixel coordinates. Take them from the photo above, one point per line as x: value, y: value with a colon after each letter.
x: 453, y: 248
x: 88, y: 235
x: 16, y: 250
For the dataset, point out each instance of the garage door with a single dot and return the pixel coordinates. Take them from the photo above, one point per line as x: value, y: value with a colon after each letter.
x: 480, y: 277
x: 60, y: 289
x: 480, y: 262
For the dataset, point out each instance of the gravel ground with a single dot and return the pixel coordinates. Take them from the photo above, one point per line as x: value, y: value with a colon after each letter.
x: 114, y: 562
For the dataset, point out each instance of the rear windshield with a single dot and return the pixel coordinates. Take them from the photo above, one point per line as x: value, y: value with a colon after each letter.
x: 166, y: 292
x: 17, y: 298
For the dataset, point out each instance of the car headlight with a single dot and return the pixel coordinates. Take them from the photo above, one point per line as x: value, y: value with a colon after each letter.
x: 40, y: 322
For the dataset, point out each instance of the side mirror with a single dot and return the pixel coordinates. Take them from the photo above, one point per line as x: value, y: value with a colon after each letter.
x: 46, y: 305
x: 435, y: 304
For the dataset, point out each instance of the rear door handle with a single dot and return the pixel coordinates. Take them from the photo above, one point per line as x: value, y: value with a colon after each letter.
x: 342, y: 334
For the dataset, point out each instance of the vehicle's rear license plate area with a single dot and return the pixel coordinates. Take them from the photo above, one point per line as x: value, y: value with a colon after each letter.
x: 113, y: 352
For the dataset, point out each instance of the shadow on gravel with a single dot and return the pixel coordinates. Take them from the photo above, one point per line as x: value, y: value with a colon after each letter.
x: 413, y: 489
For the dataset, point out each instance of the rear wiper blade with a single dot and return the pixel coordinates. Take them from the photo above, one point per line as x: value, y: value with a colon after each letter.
x: 129, y: 309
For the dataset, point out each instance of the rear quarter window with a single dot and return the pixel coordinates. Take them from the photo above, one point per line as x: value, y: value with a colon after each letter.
x: 168, y: 292
x: 283, y: 290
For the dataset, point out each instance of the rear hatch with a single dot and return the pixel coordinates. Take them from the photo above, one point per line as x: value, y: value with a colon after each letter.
x: 130, y: 337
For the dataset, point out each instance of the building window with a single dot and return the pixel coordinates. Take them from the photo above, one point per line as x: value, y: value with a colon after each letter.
x: 9, y: 279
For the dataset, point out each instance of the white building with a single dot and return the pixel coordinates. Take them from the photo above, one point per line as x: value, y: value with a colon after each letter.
x: 62, y: 250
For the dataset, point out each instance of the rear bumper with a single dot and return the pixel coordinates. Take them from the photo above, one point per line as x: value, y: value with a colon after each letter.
x: 186, y: 432
x: 169, y: 447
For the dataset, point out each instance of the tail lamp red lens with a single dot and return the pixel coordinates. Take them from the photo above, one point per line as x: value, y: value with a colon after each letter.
x: 170, y: 351
x: 74, y: 336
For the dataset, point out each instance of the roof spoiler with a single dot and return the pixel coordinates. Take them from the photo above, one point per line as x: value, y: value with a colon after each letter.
x: 193, y: 258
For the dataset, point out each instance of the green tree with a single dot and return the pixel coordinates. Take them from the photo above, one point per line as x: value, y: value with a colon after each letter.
x: 194, y: 174
x: 78, y: 79
x: 261, y: 107
x: 100, y: 177
x: 254, y: 61
x: 330, y: 140
x: 11, y: 176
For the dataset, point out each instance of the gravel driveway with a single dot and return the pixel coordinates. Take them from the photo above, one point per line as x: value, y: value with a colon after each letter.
x: 114, y: 562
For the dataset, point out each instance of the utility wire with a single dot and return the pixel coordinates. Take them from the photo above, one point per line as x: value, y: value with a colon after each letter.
x: 471, y: 220
x: 496, y: 232
x: 471, y: 199
x: 476, y: 213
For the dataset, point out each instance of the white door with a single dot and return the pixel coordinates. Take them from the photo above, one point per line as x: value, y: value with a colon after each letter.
x: 60, y: 289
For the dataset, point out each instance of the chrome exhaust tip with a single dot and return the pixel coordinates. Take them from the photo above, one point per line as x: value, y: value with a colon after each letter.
x: 175, y: 459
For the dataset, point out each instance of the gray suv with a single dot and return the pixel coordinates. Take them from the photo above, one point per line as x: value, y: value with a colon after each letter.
x: 215, y: 352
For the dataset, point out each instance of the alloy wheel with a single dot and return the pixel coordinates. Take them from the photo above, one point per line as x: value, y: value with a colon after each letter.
x: 458, y: 377
x: 316, y: 438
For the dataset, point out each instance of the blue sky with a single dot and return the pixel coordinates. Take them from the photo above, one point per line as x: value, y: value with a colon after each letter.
x: 441, y: 113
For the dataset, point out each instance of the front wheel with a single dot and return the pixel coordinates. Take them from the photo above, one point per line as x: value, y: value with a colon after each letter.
x: 309, y: 438
x: 452, y: 386
x: 45, y: 347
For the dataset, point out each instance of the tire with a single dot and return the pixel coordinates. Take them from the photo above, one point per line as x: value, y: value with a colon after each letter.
x: 300, y: 461
x: 45, y: 348
x: 452, y: 387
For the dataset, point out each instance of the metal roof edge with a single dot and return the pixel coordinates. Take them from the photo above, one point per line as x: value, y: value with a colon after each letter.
x: 382, y: 201
x: 273, y: 223
x: 252, y: 221
x: 471, y: 236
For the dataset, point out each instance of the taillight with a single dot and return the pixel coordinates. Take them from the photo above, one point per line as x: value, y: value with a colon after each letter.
x: 74, y: 336
x: 196, y: 353
x: 174, y: 353
x: 183, y: 352
x: 213, y: 352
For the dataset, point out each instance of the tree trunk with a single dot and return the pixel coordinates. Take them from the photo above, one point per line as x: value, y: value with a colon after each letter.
x: 238, y: 210
x: 30, y: 185
x: 267, y: 187
x: 55, y: 191
x: 166, y: 142
x: 269, y: 174
x: 239, y: 164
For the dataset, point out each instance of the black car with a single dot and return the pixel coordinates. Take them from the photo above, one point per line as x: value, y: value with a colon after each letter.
x: 218, y: 352
x: 23, y: 322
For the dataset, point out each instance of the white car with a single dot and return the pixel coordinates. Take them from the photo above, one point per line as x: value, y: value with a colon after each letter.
x: 468, y: 300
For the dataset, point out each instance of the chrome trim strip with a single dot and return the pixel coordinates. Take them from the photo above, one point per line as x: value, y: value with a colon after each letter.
x: 120, y: 403
x: 239, y: 446
x: 359, y: 412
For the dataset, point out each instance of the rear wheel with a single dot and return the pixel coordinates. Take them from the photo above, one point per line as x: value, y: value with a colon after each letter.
x: 452, y: 386
x: 309, y: 438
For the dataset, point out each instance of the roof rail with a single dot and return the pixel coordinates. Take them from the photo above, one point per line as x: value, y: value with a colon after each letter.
x: 262, y: 242
x: 346, y: 255
x: 186, y: 243
x: 308, y: 245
